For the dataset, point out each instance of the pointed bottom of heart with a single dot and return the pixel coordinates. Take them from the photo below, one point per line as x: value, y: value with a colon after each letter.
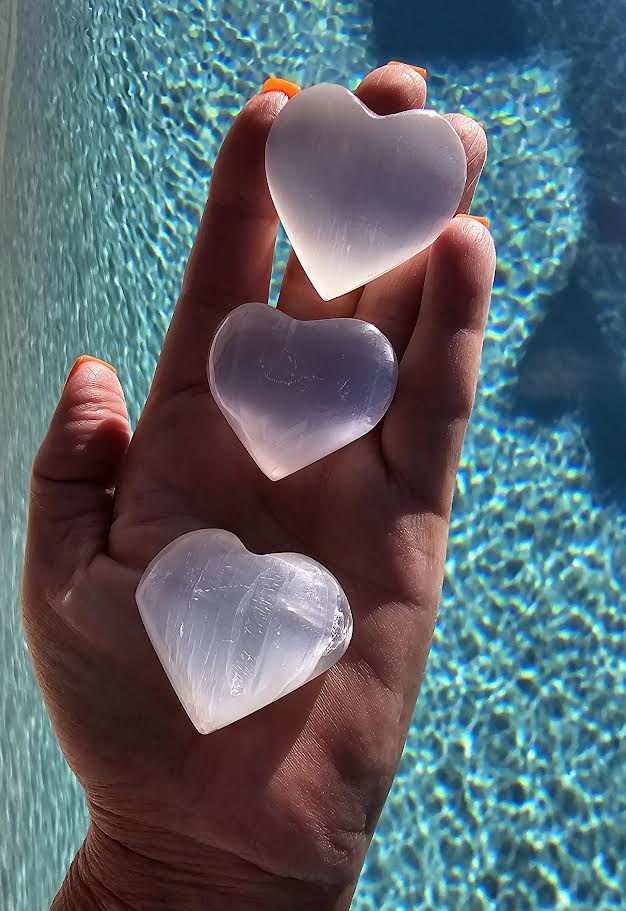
x: 235, y: 631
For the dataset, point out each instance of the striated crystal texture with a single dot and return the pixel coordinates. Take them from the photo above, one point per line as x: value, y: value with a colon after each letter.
x: 234, y: 630
x: 296, y: 391
x: 357, y: 193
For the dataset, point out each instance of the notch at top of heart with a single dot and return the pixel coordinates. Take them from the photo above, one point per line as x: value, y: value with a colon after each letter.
x: 358, y: 193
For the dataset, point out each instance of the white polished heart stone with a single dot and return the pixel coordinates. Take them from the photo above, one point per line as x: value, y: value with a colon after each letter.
x: 295, y: 391
x: 359, y: 194
x: 234, y: 630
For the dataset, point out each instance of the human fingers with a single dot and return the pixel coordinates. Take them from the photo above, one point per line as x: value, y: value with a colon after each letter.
x: 74, y: 471
x: 424, y: 429
x: 392, y: 301
x: 231, y: 261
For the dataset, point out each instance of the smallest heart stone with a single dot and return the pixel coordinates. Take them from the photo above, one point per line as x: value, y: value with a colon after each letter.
x: 295, y: 391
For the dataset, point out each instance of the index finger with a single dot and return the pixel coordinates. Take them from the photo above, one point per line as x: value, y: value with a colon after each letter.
x: 231, y: 261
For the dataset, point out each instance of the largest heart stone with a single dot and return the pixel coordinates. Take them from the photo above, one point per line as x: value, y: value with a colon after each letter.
x: 296, y: 391
x: 358, y: 194
x: 235, y: 630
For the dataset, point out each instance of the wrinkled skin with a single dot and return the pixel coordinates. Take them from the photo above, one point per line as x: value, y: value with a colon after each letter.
x: 276, y: 810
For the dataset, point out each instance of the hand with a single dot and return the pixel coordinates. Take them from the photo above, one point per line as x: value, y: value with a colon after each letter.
x: 277, y: 810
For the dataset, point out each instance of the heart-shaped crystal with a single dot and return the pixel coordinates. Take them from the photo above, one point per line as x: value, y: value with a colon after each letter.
x: 295, y: 391
x: 357, y: 193
x: 235, y: 631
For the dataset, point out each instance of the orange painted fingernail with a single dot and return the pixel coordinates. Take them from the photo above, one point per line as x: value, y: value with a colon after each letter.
x: 418, y: 69
x: 280, y: 85
x: 84, y: 359
x: 483, y: 221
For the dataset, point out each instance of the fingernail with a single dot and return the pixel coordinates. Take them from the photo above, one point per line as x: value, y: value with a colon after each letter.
x: 418, y: 69
x: 280, y: 85
x: 85, y: 359
x: 483, y: 221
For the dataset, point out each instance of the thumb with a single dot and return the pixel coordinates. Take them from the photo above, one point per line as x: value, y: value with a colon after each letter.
x: 73, y: 477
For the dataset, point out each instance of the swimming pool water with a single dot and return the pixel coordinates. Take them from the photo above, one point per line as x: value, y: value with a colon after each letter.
x: 511, y: 792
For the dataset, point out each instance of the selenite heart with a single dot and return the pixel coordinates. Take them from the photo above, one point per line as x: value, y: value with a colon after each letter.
x: 235, y: 631
x: 357, y: 193
x: 296, y: 391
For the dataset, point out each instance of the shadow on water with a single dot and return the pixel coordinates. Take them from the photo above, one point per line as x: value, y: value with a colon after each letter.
x: 452, y: 29
x: 568, y: 364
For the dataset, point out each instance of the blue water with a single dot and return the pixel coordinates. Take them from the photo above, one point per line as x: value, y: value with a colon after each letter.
x: 511, y: 793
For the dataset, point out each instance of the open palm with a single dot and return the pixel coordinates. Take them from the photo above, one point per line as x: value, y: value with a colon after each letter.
x: 278, y: 809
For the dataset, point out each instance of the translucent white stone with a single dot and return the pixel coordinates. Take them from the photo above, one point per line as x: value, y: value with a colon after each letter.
x: 295, y: 391
x: 234, y: 630
x: 357, y: 193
